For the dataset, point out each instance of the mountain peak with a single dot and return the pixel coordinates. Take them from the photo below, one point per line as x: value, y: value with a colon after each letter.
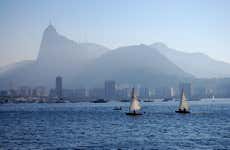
x: 159, y: 45
x: 50, y: 29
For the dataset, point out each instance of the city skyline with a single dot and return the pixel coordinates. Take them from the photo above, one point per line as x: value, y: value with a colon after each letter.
x: 112, y: 90
x: 124, y: 23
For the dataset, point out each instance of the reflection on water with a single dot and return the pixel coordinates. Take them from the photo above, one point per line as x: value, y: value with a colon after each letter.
x: 98, y: 126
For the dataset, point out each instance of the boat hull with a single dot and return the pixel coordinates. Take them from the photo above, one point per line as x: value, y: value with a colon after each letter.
x: 99, y: 101
x: 117, y: 108
x: 134, y: 114
x: 182, y: 112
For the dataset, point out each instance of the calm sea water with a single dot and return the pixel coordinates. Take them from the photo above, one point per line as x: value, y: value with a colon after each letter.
x: 98, y: 126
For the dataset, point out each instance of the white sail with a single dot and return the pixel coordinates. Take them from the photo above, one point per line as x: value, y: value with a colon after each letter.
x: 183, y: 103
x: 213, y: 97
x: 135, y: 105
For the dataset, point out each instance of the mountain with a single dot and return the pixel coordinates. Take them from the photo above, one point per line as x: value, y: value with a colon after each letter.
x: 197, y: 64
x: 57, y: 56
x: 133, y: 64
x: 63, y: 51
x: 17, y: 65
x: 88, y: 64
x: 60, y: 56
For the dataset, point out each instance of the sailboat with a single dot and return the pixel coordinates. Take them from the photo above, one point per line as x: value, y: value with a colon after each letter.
x: 134, y: 105
x: 183, y: 107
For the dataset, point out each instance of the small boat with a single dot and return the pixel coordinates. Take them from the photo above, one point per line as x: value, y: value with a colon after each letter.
x: 167, y: 99
x: 195, y: 99
x: 213, y: 98
x: 148, y: 101
x: 134, y: 113
x: 183, y: 107
x: 100, y: 101
x: 117, y: 108
x: 124, y: 100
x: 134, y: 107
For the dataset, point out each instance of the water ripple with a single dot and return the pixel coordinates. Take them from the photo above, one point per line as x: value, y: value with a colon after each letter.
x: 98, y: 126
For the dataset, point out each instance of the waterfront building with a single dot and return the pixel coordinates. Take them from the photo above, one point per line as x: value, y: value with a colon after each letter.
x: 96, y: 93
x: 81, y: 92
x: 110, y: 88
x: 163, y: 92
x: 3, y: 93
x: 52, y: 93
x: 144, y: 93
x: 201, y: 92
x: 70, y: 93
x: 39, y: 91
x: 59, y: 87
x: 24, y: 91
x: 123, y: 93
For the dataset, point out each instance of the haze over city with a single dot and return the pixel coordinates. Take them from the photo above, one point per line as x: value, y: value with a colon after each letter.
x: 189, y: 26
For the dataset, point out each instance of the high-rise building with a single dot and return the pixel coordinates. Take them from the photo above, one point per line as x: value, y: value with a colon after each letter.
x: 110, y: 88
x: 52, y: 93
x: 200, y: 92
x: 24, y: 91
x: 70, y: 93
x: 123, y: 93
x: 144, y: 93
x: 81, y: 92
x: 39, y: 91
x: 4, y: 93
x: 172, y: 92
x: 96, y: 93
x: 187, y: 89
x: 13, y: 93
x: 163, y: 92
x: 59, y: 87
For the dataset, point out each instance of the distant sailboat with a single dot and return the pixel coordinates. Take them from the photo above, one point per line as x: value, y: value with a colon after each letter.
x: 213, y: 98
x: 134, y: 106
x: 117, y: 108
x: 183, y: 107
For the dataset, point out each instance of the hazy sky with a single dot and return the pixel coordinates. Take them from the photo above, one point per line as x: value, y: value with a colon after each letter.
x: 192, y: 26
